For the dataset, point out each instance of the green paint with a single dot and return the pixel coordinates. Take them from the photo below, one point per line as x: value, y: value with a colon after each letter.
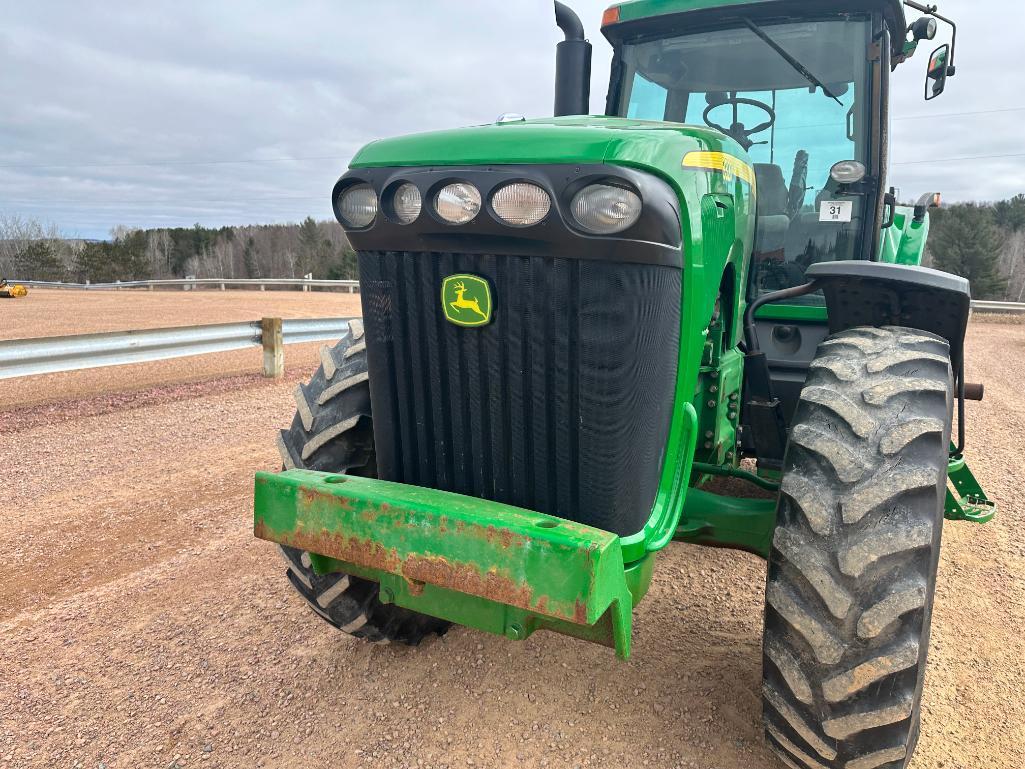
x: 466, y: 300
x: 966, y: 501
x: 808, y: 313
x: 904, y: 241
x: 479, y: 563
x: 742, y: 524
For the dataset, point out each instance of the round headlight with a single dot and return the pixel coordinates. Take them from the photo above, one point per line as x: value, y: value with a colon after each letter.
x: 603, y: 209
x: 848, y: 172
x: 458, y: 203
x: 521, y: 204
x: 407, y: 203
x: 357, y: 206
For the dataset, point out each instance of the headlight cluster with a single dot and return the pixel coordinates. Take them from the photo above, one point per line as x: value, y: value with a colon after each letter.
x: 598, y: 208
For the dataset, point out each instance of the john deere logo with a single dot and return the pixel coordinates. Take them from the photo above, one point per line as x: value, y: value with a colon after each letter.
x: 466, y: 300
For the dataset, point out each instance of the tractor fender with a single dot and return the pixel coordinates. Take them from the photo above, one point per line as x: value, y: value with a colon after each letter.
x: 878, y: 294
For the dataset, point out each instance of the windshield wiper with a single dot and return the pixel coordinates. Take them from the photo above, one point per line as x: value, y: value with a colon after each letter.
x: 805, y: 72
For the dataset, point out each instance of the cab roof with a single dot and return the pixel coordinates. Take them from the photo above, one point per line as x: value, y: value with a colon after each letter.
x: 625, y: 19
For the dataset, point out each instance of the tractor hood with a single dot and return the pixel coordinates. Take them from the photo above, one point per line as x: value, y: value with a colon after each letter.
x: 654, y: 146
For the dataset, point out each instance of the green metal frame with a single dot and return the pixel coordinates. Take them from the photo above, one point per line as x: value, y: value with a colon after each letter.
x: 966, y: 501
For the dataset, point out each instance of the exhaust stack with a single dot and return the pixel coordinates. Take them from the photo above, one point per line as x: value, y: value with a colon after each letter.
x: 572, y: 65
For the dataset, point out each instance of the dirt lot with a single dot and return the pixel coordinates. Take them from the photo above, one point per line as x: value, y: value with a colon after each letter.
x: 50, y: 312
x: 142, y: 626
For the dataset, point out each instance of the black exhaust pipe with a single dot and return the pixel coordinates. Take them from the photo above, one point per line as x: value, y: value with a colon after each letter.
x: 572, y: 65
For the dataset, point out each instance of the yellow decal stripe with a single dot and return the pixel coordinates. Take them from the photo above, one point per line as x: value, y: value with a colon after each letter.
x: 728, y: 165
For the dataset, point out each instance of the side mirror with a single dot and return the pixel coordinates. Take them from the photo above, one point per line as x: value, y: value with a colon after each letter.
x: 936, y: 77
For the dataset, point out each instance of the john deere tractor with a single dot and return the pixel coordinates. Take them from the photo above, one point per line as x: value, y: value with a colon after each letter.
x: 574, y: 327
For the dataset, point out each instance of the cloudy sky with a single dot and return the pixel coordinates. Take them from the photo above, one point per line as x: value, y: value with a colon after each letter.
x: 166, y: 114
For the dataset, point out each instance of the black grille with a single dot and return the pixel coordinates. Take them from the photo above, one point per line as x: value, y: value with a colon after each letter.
x: 561, y: 404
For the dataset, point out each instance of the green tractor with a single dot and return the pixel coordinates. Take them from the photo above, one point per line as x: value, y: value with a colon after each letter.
x: 573, y: 327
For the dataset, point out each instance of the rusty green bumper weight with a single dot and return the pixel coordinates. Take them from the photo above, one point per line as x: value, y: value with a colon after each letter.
x: 474, y: 562
x: 500, y: 568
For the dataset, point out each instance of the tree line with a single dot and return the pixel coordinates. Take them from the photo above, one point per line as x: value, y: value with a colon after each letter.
x: 30, y: 250
x: 984, y: 242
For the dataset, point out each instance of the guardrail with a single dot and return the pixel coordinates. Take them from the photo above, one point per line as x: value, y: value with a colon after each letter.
x: 47, y: 355
x: 188, y: 284
x: 1008, y: 308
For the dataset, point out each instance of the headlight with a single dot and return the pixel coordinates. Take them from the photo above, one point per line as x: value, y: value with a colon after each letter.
x: 848, y: 172
x: 521, y: 204
x: 407, y: 203
x: 603, y: 209
x: 357, y: 206
x: 458, y: 203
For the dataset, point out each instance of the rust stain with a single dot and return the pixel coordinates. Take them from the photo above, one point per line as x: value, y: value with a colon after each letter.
x: 354, y: 550
x: 504, y: 537
x: 580, y: 612
x: 311, y: 496
x: 420, y: 569
x: 464, y: 578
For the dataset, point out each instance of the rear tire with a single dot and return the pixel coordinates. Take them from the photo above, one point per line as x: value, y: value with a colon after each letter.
x: 332, y: 431
x: 852, y: 572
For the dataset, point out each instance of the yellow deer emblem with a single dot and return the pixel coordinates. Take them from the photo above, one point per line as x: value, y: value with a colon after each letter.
x: 466, y: 300
x: 462, y: 303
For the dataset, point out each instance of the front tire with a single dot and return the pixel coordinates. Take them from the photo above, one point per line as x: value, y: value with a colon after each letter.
x: 332, y: 431
x: 852, y: 571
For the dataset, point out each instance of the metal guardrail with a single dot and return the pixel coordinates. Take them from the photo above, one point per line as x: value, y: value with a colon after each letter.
x: 47, y: 355
x: 1007, y: 308
x: 352, y: 286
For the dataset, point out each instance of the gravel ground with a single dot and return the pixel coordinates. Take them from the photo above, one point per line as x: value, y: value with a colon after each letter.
x: 141, y: 625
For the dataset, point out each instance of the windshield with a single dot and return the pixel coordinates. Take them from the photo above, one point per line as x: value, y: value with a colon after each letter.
x: 795, y: 95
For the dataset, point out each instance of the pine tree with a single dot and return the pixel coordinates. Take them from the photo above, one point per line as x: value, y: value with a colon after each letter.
x: 1010, y: 214
x: 968, y: 244
x: 39, y: 261
x: 309, y: 245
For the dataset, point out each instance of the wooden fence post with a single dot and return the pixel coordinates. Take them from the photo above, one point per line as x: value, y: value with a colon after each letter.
x: 273, y: 348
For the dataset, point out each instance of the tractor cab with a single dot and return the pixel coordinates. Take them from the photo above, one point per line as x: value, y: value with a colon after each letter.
x: 798, y: 95
x: 802, y: 87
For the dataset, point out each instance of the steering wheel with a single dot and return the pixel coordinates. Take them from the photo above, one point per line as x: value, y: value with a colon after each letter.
x: 738, y: 131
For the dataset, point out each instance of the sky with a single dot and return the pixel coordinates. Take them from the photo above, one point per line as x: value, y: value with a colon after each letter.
x: 167, y: 114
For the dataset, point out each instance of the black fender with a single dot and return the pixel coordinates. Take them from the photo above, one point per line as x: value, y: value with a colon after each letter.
x: 862, y: 293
